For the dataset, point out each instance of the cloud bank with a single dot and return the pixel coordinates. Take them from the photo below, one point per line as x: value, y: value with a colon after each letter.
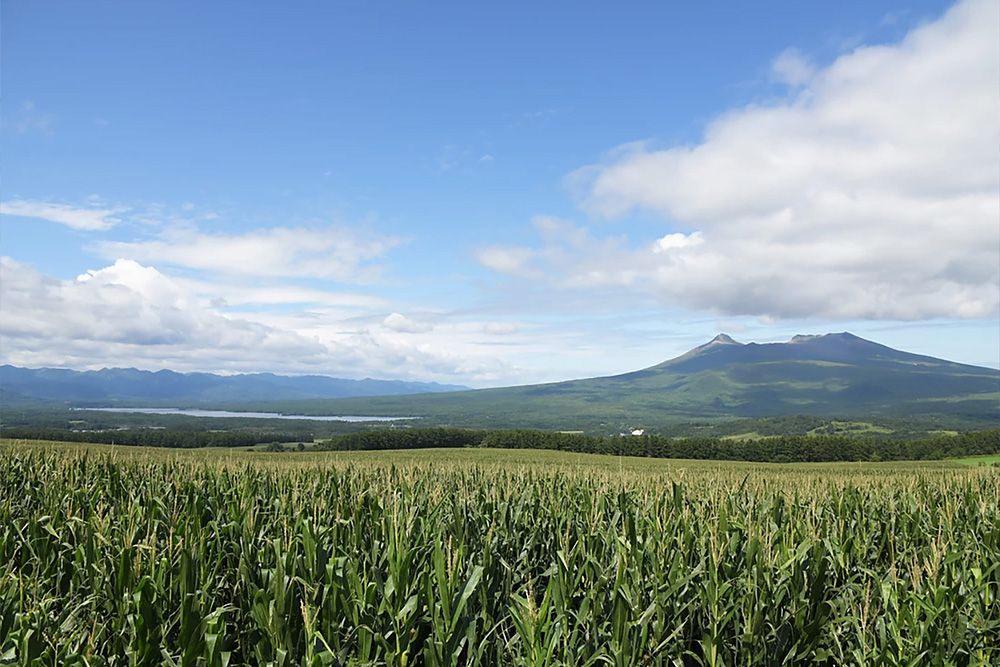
x: 871, y: 192
x: 130, y: 314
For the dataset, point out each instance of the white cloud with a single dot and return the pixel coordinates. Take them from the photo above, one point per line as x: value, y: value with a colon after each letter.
x: 319, y: 252
x: 402, y: 324
x: 130, y: 314
x: 88, y: 219
x: 792, y: 68
x: 871, y: 194
x: 677, y: 240
x: 500, y: 328
x: 505, y: 259
x: 272, y: 295
x: 448, y: 352
x: 127, y: 311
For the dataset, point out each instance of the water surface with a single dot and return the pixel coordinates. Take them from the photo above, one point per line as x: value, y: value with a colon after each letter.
x: 194, y: 412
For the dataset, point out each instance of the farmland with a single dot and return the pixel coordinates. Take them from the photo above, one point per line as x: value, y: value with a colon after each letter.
x: 114, y: 555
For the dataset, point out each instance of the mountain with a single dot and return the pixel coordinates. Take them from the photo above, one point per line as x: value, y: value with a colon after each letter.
x: 129, y: 385
x: 832, y: 375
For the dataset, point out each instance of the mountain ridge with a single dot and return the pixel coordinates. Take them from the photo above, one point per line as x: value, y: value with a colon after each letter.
x: 117, y: 384
x: 830, y: 375
x: 833, y: 347
x: 836, y: 375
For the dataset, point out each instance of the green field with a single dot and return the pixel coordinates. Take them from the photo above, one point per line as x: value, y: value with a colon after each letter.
x: 979, y: 460
x: 121, y: 555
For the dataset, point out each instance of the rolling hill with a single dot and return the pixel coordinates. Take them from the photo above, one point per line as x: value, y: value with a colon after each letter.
x: 832, y: 375
x: 135, y: 387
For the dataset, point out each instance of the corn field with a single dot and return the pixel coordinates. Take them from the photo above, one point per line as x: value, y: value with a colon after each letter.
x: 181, y: 560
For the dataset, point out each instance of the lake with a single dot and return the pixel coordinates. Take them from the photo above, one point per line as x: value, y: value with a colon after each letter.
x: 247, y: 415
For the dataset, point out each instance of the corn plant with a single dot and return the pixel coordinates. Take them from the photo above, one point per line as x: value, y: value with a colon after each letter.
x: 219, y: 561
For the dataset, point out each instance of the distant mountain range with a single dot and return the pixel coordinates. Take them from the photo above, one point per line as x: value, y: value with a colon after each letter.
x: 132, y: 386
x: 832, y: 375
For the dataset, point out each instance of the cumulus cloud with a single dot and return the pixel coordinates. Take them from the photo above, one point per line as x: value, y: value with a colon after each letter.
x: 130, y: 314
x: 871, y: 193
x: 84, y: 218
x: 325, y: 252
x: 128, y: 311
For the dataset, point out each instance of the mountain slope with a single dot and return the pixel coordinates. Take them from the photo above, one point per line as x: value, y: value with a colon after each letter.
x: 829, y: 375
x: 128, y: 385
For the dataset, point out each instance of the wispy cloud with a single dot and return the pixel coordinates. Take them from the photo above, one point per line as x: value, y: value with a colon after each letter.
x: 27, y: 118
x: 791, y: 67
x: 337, y: 253
x: 534, y: 117
x: 84, y: 218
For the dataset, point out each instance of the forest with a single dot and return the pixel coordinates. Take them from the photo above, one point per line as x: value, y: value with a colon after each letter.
x: 778, y: 449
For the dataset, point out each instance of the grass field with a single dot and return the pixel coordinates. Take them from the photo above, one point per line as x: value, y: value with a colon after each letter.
x: 979, y: 460
x: 118, y: 555
x: 494, y: 458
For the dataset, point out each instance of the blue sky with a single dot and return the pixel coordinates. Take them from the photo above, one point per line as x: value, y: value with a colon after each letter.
x: 493, y: 193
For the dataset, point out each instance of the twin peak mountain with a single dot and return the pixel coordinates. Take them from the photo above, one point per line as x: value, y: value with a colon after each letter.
x: 831, y: 375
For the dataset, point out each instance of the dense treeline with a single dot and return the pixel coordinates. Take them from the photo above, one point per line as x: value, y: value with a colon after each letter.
x: 792, y: 448
x: 779, y: 449
x: 415, y: 438
x: 158, y: 437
